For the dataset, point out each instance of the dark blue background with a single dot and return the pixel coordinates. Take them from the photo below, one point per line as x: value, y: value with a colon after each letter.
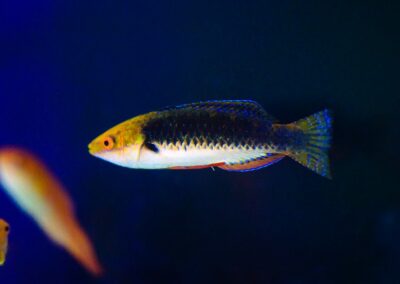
x: 71, y: 69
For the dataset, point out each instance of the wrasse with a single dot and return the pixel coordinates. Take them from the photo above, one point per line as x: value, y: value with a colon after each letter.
x: 4, y: 231
x: 235, y: 135
x: 37, y: 192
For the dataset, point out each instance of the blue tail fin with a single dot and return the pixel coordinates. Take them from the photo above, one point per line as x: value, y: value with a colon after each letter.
x: 317, y: 129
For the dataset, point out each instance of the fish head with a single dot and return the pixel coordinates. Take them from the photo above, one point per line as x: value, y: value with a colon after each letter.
x: 13, y: 157
x: 4, y: 231
x: 16, y: 163
x: 122, y: 143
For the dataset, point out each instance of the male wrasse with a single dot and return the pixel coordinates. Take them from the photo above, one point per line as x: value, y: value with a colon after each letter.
x: 232, y: 135
x: 4, y: 231
x: 37, y: 192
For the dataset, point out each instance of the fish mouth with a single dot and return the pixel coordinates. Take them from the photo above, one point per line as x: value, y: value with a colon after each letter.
x: 91, y: 149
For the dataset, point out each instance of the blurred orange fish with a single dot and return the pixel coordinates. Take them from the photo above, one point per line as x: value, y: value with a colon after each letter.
x: 4, y: 231
x: 37, y: 192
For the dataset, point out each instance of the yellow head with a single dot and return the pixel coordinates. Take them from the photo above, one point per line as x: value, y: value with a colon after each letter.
x: 4, y: 231
x: 121, y: 144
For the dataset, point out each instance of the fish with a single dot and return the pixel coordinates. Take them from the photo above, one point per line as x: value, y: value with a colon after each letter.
x: 31, y: 184
x: 233, y: 135
x: 4, y: 231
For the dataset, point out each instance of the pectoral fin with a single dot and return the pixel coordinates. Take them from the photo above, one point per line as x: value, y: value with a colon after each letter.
x: 2, y: 257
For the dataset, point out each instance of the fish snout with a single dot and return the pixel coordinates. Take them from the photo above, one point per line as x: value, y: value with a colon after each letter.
x: 91, y: 148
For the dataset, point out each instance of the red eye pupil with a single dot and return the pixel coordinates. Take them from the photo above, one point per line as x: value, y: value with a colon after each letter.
x: 106, y: 143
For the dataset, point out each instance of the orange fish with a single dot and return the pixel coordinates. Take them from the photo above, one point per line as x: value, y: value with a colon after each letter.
x: 4, y: 231
x: 37, y: 192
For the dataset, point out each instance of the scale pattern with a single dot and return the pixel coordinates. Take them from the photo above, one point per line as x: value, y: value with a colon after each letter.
x: 212, y: 125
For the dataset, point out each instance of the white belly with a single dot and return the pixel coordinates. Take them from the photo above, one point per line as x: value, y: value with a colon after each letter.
x: 170, y: 157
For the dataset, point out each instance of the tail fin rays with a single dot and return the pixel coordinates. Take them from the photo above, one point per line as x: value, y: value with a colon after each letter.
x: 317, y: 129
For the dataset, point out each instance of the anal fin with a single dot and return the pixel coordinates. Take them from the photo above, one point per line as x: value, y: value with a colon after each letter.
x: 253, y: 165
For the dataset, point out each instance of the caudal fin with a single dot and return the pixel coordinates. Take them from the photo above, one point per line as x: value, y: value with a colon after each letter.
x: 317, y: 130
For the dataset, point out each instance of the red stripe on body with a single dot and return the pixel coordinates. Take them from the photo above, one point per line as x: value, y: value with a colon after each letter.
x: 197, y: 167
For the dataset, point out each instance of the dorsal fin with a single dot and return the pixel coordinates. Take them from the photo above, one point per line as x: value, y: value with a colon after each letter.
x: 254, y: 164
x: 247, y: 108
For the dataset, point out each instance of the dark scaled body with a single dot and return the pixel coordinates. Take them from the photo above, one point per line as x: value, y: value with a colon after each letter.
x: 231, y: 123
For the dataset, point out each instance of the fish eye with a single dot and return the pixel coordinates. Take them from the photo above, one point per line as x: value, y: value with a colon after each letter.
x: 6, y: 228
x: 108, y: 142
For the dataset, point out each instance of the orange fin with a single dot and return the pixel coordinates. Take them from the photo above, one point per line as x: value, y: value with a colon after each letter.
x: 253, y: 165
x: 197, y: 167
